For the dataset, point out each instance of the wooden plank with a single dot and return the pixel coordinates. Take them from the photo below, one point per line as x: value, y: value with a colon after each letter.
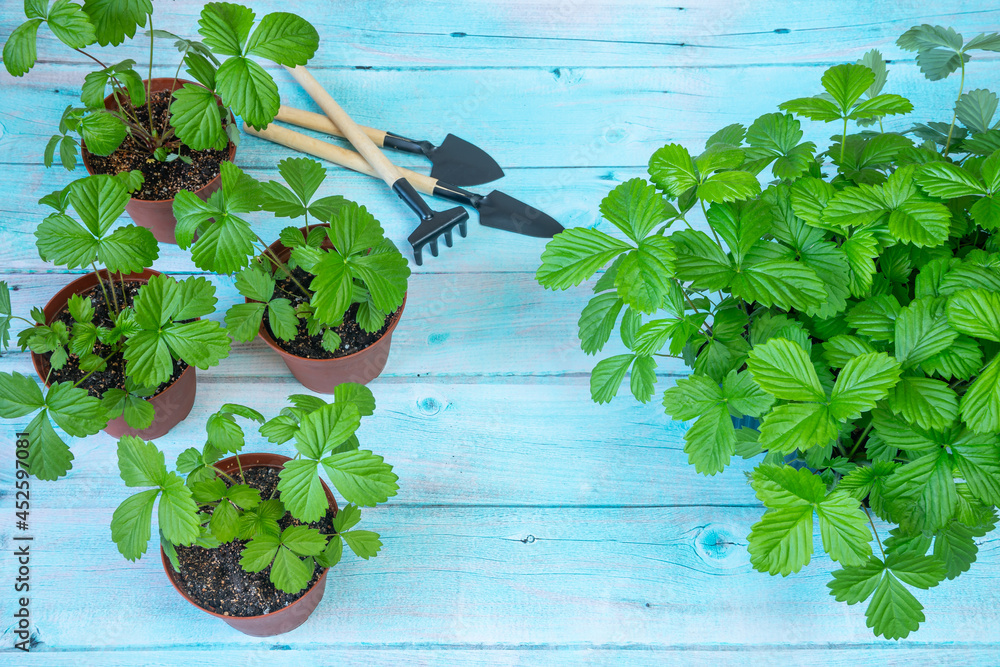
x: 515, y: 33
x: 575, y: 577
x: 364, y: 655
x: 464, y: 441
x: 558, y: 118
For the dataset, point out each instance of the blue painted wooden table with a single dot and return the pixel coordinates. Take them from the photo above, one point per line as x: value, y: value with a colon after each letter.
x: 532, y: 526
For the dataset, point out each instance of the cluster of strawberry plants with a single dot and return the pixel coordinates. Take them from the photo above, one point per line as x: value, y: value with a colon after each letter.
x: 161, y: 324
x: 347, y: 258
x: 851, y: 305
x: 200, y: 504
x: 221, y: 63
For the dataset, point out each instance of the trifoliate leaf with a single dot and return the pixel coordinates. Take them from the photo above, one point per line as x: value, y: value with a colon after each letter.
x: 304, y: 176
x: 856, y: 584
x: 847, y: 83
x: 893, y: 612
x: 326, y: 428
x: 797, y: 426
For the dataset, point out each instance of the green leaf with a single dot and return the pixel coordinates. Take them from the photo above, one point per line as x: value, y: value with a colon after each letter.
x: 881, y: 105
x: 844, y: 528
x: 981, y: 403
x: 226, y: 247
x: 875, y: 317
x: 202, y: 343
x: 700, y: 260
x: 178, y: 513
x: 261, y: 520
x: 301, y: 490
x: 976, y: 312
x: 927, y: 482
x: 782, y: 283
x: 727, y: 186
x: 254, y: 283
x: 62, y: 241
x: 711, y: 441
x: 963, y: 359
x: 130, y: 524
x: 283, y: 319
x: 249, y: 90
x: 864, y: 380
x: 797, y: 426
x: 976, y: 108
x: 955, y: 545
x: 783, y: 369
x: 784, y: 486
x: 225, y: 27
x: 364, y: 543
x: 70, y: 24
x: 635, y: 207
x: 813, y: 108
x: 855, y: 584
x: 20, y: 51
x: 19, y: 396
x: 978, y: 462
x: 326, y: 428
x: 260, y: 552
x: 140, y: 463
x: 363, y: 478
x: 303, y: 175
x: 922, y: 331
x: 873, y: 61
x: 692, y: 397
x: 99, y: 201
x: 385, y: 275
x: 598, y: 320
x: 947, y: 180
x: 114, y: 20
x: 607, y: 377
x: 926, y: 402
x: 744, y: 396
x: 128, y: 249
x: 644, y: 274
x: 672, y: 170
x: 102, y: 132
x: 196, y: 117
x: 576, y: 254
x: 73, y: 409
x: 289, y: 573
x: 893, y: 612
x: 48, y: 456
x: 781, y: 542
x: 847, y: 83
x: 284, y: 38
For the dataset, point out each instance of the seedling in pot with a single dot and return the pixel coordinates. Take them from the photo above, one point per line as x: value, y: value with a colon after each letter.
x: 221, y: 63
x: 315, y: 288
x: 148, y: 334
x: 202, y: 505
x: 855, y: 313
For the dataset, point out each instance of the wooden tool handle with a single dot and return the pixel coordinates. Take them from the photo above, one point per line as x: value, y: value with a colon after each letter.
x: 386, y: 170
x: 327, y: 151
x: 320, y: 123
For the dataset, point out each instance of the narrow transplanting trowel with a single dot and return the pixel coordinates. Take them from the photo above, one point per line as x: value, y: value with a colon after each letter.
x: 496, y: 209
x: 455, y: 160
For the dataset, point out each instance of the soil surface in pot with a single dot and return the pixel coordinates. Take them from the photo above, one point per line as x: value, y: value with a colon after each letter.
x: 114, y: 375
x: 353, y: 338
x: 214, y: 579
x: 163, y: 179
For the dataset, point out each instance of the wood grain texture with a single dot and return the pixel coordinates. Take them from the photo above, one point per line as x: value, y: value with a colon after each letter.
x: 532, y: 526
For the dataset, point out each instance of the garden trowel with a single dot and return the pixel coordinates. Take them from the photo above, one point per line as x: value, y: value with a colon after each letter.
x: 455, y: 160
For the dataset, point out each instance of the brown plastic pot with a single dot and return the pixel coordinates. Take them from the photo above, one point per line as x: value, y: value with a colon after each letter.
x: 157, y: 215
x: 280, y: 621
x: 172, y: 405
x: 323, y: 375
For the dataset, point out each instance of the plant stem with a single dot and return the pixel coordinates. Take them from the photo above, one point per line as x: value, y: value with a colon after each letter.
x: 77, y: 383
x: 273, y: 258
x: 149, y: 80
x: 219, y: 470
x: 843, y: 141
x: 874, y: 531
x: 101, y: 283
x: 858, y: 441
x: 103, y: 66
x: 954, y: 114
x: 240, y: 466
x: 166, y: 116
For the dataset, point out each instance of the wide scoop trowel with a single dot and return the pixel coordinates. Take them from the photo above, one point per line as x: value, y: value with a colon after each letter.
x: 454, y: 161
x: 497, y: 210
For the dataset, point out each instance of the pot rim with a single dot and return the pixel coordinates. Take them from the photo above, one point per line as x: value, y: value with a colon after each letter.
x: 110, y: 99
x: 36, y: 359
x: 169, y: 569
x: 269, y: 340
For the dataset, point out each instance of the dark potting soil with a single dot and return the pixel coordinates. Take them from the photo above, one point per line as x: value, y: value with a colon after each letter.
x: 163, y: 179
x: 353, y: 338
x: 114, y: 375
x: 214, y: 579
